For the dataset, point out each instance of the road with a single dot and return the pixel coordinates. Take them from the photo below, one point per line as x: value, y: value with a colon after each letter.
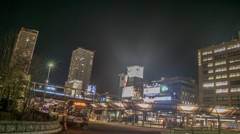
x: 97, y: 127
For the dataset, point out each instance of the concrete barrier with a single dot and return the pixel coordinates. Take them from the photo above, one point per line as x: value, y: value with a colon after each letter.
x: 28, y: 126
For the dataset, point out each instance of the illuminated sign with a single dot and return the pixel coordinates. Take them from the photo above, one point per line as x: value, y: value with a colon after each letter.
x: 151, y: 90
x: 164, y: 88
x: 127, y: 91
x: 155, y: 99
x: 135, y: 71
x: 91, y: 88
x: 80, y: 104
x: 51, y: 88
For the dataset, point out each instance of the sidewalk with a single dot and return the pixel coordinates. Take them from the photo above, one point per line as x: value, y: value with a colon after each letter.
x: 136, y: 125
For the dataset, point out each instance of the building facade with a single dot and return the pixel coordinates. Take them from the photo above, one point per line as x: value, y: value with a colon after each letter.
x: 81, y: 66
x: 24, y: 47
x: 219, y: 74
x: 181, y: 90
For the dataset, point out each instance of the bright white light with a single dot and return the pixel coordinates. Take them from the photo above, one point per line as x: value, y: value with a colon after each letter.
x: 220, y: 110
x: 93, y: 105
x: 187, y: 107
x: 50, y: 65
x: 144, y: 105
x: 103, y: 104
x: 119, y: 104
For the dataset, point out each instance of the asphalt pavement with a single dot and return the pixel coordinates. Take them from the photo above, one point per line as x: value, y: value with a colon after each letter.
x: 97, y: 127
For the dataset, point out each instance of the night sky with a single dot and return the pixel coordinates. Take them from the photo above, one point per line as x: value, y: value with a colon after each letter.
x: 162, y: 36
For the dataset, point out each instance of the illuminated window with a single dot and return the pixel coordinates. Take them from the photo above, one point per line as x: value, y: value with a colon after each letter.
x: 219, y: 50
x: 27, y: 39
x: 220, y: 62
x: 234, y: 67
x: 82, y: 64
x: 207, y: 59
x: 208, y: 84
x: 90, y: 62
x: 218, y: 91
x: 222, y: 69
x: 234, y: 74
x: 208, y: 71
x: 221, y: 76
x: 234, y: 60
x: 222, y: 83
x: 207, y: 52
x: 233, y: 46
x: 208, y: 65
x: 208, y: 78
x: 234, y: 90
x: 220, y: 56
x: 82, y: 71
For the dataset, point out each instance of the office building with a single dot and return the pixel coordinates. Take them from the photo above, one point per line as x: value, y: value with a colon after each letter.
x: 81, y: 66
x: 24, y: 47
x: 176, y: 90
x: 219, y: 74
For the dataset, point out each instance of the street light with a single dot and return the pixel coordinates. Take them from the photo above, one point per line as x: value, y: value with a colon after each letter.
x: 50, y: 65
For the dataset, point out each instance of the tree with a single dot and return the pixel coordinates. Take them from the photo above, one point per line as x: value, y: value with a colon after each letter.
x: 14, y: 78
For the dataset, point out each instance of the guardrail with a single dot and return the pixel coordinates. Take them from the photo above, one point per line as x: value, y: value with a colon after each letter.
x: 28, y: 126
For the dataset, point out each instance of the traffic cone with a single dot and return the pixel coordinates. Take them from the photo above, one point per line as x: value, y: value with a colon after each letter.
x: 65, y: 126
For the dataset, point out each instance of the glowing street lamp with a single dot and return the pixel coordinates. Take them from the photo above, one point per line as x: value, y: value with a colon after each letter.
x: 50, y: 65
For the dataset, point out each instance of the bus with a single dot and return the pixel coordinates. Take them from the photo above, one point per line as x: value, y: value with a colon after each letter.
x: 78, y: 113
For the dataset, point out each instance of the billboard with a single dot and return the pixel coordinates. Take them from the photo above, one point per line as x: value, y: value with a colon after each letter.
x: 151, y: 90
x: 91, y: 88
x: 164, y: 88
x: 135, y: 71
x: 156, y: 99
x: 127, y: 91
x: 123, y: 80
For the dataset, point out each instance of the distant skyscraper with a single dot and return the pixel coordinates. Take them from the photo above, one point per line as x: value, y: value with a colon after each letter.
x: 24, y: 47
x: 81, y: 66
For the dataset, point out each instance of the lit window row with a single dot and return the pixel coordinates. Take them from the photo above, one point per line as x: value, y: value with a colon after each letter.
x: 218, y: 91
x: 234, y: 74
x: 207, y: 52
x: 208, y: 84
x: 219, y: 49
x: 223, y: 76
x: 220, y: 62
x: 208, y: 71
x: 234, y: 67
x: 234, y: 60
x: 222, y: 83
x: 235, y: 89
x: 233, y: 46
x: 222, y: 69
x: 208, y: 65
x: 207, y: 59
x: 208, y: 78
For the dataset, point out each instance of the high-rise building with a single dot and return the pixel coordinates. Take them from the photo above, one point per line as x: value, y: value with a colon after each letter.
x: 81, y: 66
x: 219, y: 74
x: 24, y: 47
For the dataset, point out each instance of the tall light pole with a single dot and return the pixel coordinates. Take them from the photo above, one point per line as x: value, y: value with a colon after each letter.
x: 49, y: 69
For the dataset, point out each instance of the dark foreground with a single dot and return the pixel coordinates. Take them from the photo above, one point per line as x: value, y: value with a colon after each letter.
x: 96, y: 127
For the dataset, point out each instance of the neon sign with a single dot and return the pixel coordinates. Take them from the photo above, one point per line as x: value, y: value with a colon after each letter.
x: 80, y: 104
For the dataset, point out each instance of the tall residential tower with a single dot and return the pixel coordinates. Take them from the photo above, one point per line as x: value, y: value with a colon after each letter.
x: 81, y: 66
x: 24, y: 47
x: 219, y: 74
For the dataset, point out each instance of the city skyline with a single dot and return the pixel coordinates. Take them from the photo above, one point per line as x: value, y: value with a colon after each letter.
x: 162, y: 36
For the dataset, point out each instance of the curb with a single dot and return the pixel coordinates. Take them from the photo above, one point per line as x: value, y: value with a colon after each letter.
x: 54, y: 131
